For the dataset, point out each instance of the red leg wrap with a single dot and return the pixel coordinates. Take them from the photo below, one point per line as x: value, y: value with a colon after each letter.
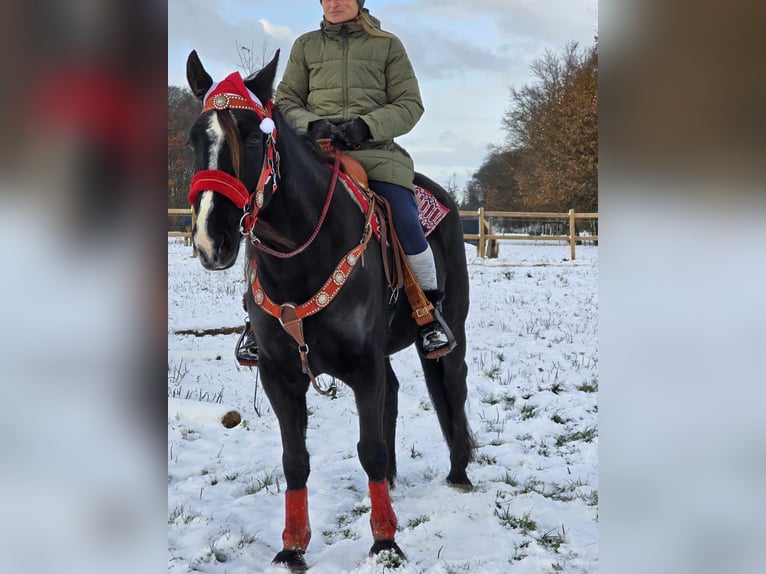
x: 382, y: 517
x: 297, y: 532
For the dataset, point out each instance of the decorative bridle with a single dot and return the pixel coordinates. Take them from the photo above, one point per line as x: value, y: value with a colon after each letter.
x: 231, y: 93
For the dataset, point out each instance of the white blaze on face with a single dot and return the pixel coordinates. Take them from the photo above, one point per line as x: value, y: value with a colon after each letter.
x: 202, y: 240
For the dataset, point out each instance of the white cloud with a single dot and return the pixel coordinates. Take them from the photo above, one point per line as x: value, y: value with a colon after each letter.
x: 277, y: 32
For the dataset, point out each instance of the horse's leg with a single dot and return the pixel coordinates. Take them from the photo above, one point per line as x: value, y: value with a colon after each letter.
x: 390, y: 412
x: 370, y: 397
x: 290, y: 408
x: 446, y: 382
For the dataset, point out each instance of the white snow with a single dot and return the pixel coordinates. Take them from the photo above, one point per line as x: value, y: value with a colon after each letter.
x: 532, y: 387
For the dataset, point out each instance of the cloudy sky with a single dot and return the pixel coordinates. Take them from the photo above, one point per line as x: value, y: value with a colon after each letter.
x: 466, y: 54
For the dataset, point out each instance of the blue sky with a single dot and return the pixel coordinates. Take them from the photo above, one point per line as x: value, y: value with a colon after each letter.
x: 466, y: 54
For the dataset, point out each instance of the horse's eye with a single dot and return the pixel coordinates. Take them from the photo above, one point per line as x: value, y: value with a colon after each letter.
x: 254, y: 141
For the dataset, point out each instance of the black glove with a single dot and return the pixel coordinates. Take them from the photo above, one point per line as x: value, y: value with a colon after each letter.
x: 350, y: 134
x: 320, y: 129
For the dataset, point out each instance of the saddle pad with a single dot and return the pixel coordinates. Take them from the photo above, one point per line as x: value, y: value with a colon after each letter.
x: 361, y: 201
x: 432, y: 211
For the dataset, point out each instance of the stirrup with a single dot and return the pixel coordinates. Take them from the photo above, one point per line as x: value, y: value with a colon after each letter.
x: 435, y: 339
x: 246, y: 351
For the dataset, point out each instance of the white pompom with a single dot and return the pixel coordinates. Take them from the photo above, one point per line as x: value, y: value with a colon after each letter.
x: 267, y: 125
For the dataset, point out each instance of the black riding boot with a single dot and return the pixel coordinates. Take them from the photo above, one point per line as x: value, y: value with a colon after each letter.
x: 246, y: 351
x: 435, y: 339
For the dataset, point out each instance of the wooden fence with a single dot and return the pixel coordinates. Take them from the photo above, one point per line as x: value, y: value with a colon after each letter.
x: 486, y: 240
x: 186, y: 233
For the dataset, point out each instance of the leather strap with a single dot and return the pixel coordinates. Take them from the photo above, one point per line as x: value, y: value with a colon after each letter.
x: 422, y: 309
x: 294, y: 326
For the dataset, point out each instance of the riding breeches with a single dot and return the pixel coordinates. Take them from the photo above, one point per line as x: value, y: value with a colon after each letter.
x: 404, y: 209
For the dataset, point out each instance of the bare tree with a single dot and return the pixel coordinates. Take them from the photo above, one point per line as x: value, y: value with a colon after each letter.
x: 249, y: 61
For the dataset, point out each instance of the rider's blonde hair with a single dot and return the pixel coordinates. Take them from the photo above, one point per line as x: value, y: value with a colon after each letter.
x: 363, y: 19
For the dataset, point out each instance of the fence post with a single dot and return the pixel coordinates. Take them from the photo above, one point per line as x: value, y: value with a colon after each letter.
x: 572, y: 233
x: 482, y: 250
x: 194, y: 222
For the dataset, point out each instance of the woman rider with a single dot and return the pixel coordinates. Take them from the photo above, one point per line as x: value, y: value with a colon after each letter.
x: 353, y: 83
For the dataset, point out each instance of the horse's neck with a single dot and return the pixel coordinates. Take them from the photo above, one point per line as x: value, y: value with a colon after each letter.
x: 300, y: 196
x: 299, y: 211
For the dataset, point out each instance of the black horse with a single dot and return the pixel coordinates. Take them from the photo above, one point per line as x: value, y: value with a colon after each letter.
x: 305, y: 242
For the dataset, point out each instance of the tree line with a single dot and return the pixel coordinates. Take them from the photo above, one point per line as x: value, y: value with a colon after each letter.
x: 548, y: 161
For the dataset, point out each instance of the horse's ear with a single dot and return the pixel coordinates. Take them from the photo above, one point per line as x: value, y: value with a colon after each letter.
x: 262, y: 82
x: 199, y: 80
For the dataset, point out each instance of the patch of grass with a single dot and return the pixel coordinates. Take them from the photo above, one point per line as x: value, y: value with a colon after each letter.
x: 418, y: 520
x: 198, y: 394
x: 486, y: 459
x: 531, y: 485
x: 509, y: 479
x: 180, y: 515
x: 493, y: 373
x: 591, y: 498
x: 176, y: 373
x: 495, y: 425
x: 591, y: 387
x: 518, y: 551
x: 552, y: 540
x: 389, y: 559
x: 264, y: 482
x: 360, y: 509
x: 490, y: 399
x: 343, y: 531
x: 523, y: 523
x: 542, y: 449
x: 586, y: 435
x: 528, y: 411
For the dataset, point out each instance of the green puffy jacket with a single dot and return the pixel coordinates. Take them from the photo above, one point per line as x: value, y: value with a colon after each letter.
x: 342, y: 72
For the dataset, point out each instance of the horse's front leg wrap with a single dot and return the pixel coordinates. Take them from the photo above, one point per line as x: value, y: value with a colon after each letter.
x: 382, y: 517
x: 297, y: 532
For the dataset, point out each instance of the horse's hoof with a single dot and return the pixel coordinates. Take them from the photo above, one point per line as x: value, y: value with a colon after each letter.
x: 293, y: 559
x: 460, y: 482
x: 383, y: 545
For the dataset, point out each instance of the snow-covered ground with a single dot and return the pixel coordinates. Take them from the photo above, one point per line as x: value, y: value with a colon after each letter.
x: 532, y: 388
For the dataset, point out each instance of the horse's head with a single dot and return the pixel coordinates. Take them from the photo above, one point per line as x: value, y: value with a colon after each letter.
x: 230, y: 140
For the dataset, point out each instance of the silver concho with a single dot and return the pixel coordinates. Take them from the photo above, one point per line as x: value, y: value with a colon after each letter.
x: 351, y: 259
x: 323, y: 299
x: 220, y: 101
x: 259, y: 199
x: 339, y: 277
x: 258, y: 296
